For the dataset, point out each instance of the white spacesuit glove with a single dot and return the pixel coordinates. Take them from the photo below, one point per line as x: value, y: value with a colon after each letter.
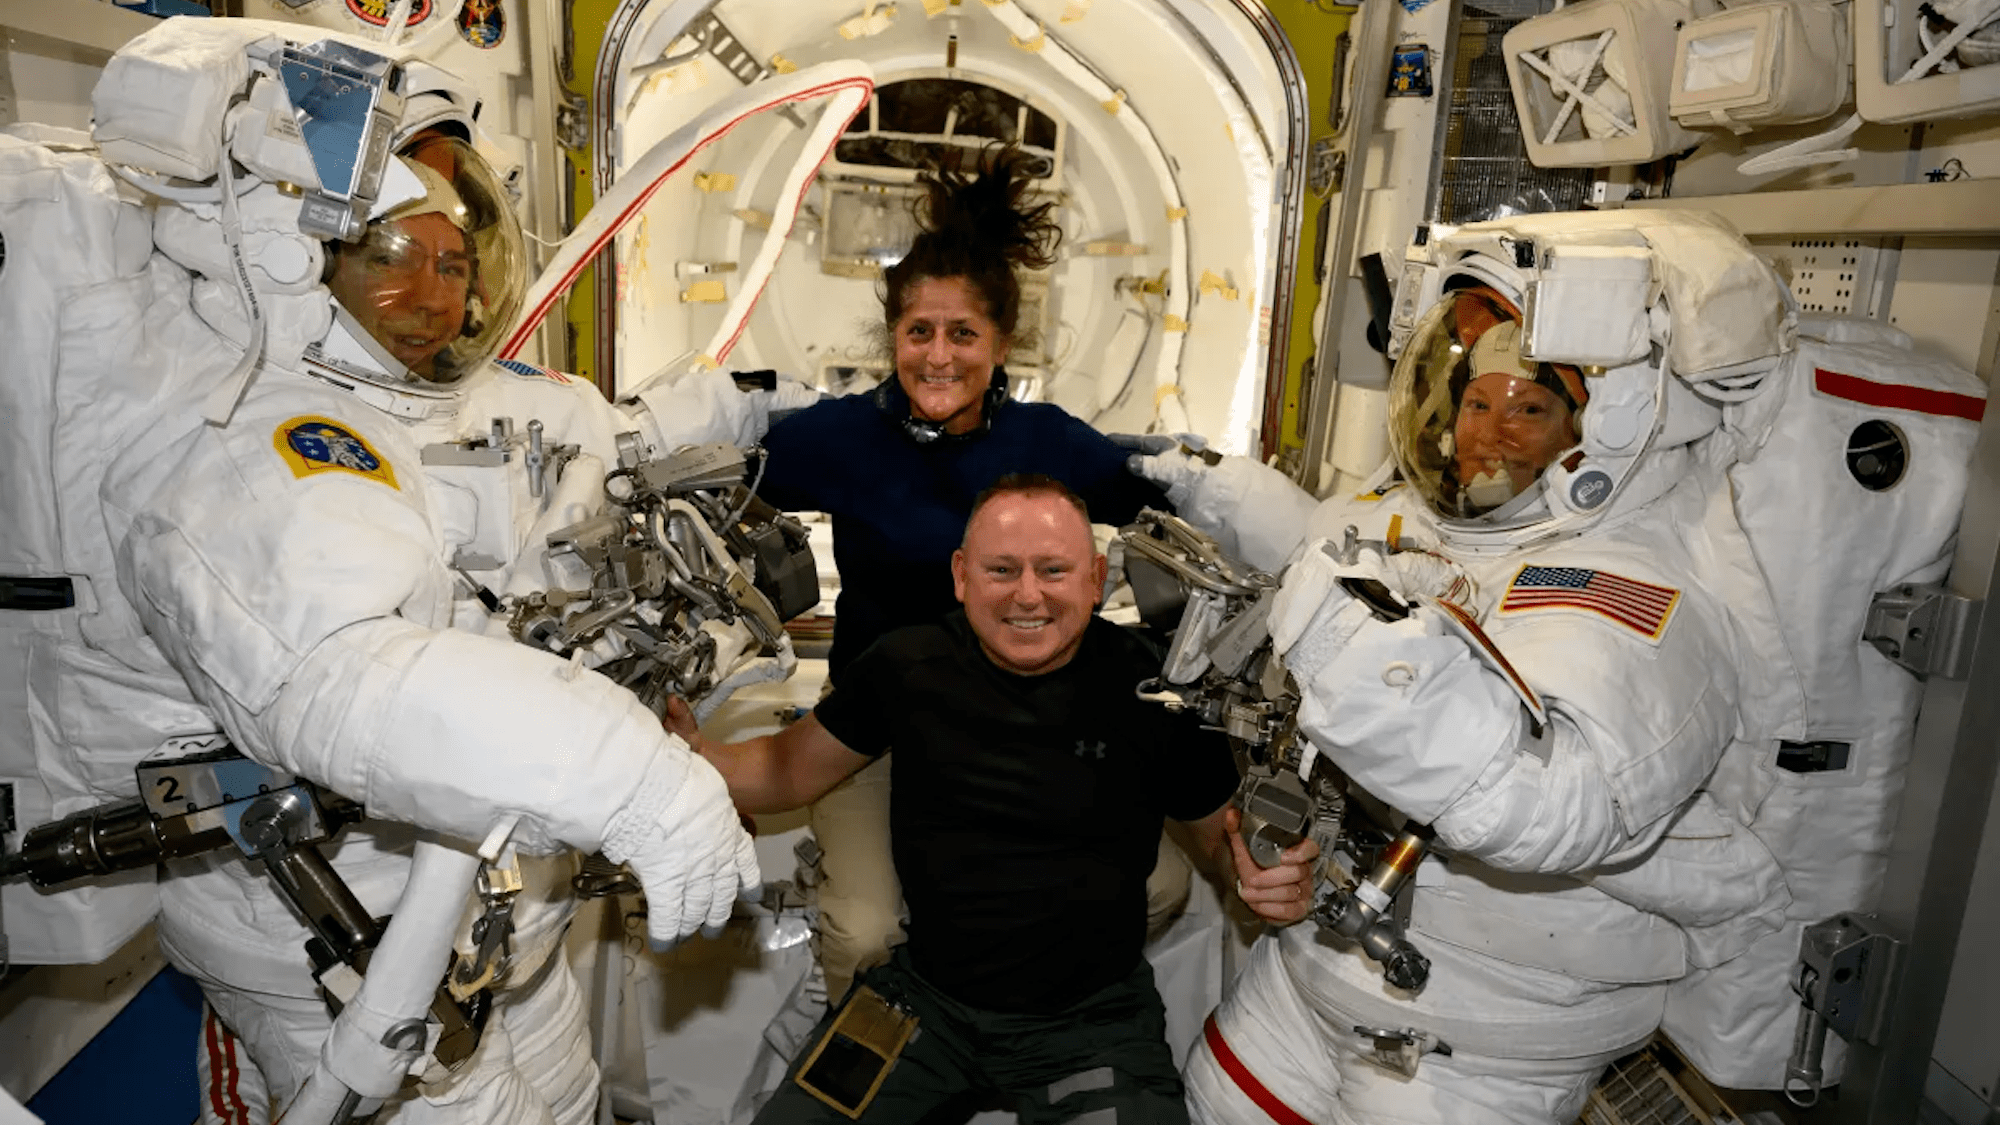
x: 681, y: 836
x: 1313, y: 606
x: 1159, y: 443
x: 1254, y: 512
x: 1403, y: 707
x: 713, y: 406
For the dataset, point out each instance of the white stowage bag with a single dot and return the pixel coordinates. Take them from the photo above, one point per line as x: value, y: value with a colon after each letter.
x: 1825, y: 545
x: 98, y: 341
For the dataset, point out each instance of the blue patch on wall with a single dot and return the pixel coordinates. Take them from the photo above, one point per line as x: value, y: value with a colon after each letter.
x: 140, y: 1070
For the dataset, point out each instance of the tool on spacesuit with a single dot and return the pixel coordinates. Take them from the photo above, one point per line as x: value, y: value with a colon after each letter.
x: 1221, y: 666
x: 498, y: 885
x: 194, y: 797
x: 198, y: 795
x: 682, y: 543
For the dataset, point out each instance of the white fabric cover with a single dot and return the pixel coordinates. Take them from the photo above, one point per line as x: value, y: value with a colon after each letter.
x: 1825, y: 545
x: 98, y: 346
x: 160, y: 102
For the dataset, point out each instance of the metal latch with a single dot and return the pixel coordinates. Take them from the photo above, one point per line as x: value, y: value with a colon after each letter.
x: 1847, y: 969
x: 1926, y: 629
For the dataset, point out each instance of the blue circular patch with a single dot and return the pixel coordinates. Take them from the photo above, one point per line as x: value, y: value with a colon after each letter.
x: 1590, y: 489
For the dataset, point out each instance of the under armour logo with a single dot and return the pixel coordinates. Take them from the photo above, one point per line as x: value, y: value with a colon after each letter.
x: 1092, y: 750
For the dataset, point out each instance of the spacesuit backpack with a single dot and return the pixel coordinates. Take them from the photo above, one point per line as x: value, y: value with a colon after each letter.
x: 94, y: 363
x: 1850, y: 470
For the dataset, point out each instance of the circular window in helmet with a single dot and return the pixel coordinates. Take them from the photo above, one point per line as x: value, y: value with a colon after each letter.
x: 437, y: 280
x: 1473, y: 423
x: 1877, y: 455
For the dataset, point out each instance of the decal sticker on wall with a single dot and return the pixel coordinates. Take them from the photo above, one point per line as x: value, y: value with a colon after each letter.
x: 1410, y: 71
x: 375, y: 13
x: 482, y: 23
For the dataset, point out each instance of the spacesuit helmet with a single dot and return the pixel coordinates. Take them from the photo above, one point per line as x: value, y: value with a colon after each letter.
x: 1474, y: 423
x: 428, y: 292
x: 1546, y: 364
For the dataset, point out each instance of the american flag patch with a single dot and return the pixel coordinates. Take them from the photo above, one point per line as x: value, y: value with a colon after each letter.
x: 1639, y: 606
x: 530, y: 371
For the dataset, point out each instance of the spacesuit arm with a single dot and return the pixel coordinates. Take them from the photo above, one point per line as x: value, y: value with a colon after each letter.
x: 300, y: 611
x: 457, y: 732
x: 1254, y: 512
x: 710, y: 406
x: 1408, y: 711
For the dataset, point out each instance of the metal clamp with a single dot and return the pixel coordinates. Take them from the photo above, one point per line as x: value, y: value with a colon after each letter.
x: 1398, y: 1050
x: 1926, y: 629
x: 1846, y: 970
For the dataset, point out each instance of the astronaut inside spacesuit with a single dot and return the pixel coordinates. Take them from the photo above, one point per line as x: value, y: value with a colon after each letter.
x: 1562, y: 688
x: 303, y: 566
x: 409, y: 281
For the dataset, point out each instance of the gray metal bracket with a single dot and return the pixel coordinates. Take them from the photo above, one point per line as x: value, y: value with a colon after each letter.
x: 1926, y: 629
x: 1847, y: 970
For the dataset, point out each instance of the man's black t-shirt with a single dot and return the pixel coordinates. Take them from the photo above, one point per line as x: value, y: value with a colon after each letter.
x: 1026, y: 810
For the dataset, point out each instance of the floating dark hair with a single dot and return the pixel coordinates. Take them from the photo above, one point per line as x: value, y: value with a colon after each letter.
x: 980, y: 228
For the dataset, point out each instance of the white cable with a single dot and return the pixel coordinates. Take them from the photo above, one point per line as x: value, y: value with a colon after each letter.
x: 840, y: 109
x: 222, y: 402
x: 399, y: 15
x: 628, y: 195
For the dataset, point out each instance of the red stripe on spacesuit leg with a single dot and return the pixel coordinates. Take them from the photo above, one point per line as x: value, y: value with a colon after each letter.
x: 1895, y: 396
x: 216, y: 1103
x: 1267, y: 1101
x: 223, y: 1096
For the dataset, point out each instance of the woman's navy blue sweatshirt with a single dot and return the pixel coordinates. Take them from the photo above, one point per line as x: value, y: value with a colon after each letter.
x: 899, y: 508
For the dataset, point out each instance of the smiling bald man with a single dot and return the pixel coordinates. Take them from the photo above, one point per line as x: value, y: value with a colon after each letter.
x: 1031, y: 784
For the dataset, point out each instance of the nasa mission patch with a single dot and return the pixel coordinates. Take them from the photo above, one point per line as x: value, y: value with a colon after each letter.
x: 318, y: 445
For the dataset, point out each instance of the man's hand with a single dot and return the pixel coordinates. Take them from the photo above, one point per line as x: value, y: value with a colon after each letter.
x: 680, y: 722
x: 1281, y: 894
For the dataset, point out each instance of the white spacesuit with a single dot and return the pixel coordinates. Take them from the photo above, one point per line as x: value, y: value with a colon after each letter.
x: 297, y: 571
x: 1546, y: 487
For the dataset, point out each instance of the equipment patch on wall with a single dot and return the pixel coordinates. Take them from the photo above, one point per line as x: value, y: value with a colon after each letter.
x: 1410, y: 71
x: 1828, y: 274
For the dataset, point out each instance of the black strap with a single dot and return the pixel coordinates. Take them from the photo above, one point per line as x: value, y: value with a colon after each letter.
x: 30, y: 595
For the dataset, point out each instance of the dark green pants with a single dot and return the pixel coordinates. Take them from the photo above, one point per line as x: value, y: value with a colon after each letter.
x: 1103, y: 1061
